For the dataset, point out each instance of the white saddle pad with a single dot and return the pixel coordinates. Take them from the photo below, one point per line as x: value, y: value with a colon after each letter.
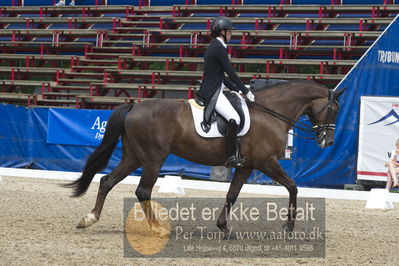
x: 198, y: 116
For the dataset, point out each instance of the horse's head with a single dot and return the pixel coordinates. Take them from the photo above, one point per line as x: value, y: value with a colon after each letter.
x: 323, y: 113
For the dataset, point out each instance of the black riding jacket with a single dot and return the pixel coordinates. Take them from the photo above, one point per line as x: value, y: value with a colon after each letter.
x: 216, y: 64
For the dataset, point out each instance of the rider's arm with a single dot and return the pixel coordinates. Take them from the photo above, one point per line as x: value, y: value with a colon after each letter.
x: 223, y: 59
x: 229, y: 84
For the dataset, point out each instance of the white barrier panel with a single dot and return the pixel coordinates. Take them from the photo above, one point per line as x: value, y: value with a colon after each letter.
x: 172, y: 184
x: 379, y: 199
x: 207, y: 185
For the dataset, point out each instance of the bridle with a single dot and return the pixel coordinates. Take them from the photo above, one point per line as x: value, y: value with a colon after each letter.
x: 321, y: 127
x: 318, y: 131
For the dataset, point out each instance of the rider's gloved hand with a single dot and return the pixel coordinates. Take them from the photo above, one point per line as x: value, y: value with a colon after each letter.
x: 250, y: 96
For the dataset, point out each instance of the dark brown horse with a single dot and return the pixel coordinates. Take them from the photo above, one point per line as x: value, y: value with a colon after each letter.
x: 151, y: 130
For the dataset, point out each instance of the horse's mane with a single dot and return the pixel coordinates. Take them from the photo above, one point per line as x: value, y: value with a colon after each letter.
x: 289, y: 83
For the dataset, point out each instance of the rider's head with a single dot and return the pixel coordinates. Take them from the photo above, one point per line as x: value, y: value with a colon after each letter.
x: 221, y: 27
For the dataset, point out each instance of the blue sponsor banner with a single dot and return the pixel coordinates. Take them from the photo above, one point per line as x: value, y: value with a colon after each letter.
x: 77, y: 127
x: 375, y: 74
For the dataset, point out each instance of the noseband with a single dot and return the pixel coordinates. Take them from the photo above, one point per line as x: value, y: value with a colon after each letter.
x: 321, y: 127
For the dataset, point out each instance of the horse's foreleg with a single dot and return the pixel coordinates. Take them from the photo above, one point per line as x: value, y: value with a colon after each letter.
x: 143, y: 193
x: 276, y: 172
x: 107, y: 182
x: 239, y: 178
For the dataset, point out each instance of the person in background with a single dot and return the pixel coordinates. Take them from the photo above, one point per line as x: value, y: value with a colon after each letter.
x: 393, y: 168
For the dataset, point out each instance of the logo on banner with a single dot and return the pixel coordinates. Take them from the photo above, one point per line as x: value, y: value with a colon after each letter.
x: 77, y: 127
x: 100, y: 127
x: 392, y: 114
x: 388, y: 57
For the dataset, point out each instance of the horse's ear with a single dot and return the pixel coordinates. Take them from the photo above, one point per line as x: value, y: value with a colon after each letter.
x: 331, y: 95
x: 338, y: 94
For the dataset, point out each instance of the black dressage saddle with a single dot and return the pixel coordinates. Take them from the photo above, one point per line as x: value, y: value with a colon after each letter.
x: 210, y: 115
x: 235, y: 101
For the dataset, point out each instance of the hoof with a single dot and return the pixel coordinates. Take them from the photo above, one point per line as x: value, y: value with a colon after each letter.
x: 289, y: 226
x: 160, y: 231
x: 88, y: 220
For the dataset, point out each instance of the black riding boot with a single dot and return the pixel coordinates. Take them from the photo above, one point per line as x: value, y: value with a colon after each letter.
x: 232, y: 147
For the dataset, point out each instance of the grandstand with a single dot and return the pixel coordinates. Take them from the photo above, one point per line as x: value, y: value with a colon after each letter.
x: 98, y: 56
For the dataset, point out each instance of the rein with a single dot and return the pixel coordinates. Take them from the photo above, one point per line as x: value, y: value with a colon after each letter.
x: 315, y: 131
x: 305, y: 128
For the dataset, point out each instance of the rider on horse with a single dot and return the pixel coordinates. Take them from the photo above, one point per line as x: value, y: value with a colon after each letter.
x: 216, y: 64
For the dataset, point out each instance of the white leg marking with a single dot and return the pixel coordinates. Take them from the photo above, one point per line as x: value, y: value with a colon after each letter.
x: 88, y: 220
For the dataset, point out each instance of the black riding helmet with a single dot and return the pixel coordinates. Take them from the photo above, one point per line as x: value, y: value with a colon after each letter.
x: 219, y: 24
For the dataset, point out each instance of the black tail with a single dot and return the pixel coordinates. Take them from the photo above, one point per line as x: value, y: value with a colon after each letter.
x: 98, y: 160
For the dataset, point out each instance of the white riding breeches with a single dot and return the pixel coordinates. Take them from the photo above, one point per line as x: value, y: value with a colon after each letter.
x: 225, y: 109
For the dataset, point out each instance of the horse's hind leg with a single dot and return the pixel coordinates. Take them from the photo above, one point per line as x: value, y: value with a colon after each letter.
x: 107, y: 182
x: 276, y: 172
x: 143, y: 192
x: 239, y: 178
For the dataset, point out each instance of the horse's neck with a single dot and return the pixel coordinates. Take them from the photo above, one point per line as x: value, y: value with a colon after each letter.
x: 292, y: 102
